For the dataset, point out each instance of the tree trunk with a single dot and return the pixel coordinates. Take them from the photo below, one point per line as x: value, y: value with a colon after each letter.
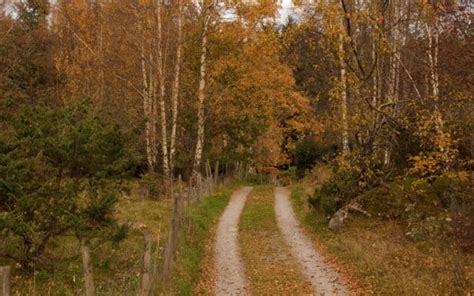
x: 374, y: 75
x: 175, y: 90
x: 375, y: 93
x: 148, y: 105
x: 433, y: 49
x: 172, y: 238
x: 393, y: 75
x: 5, y: 280
x: 87, y: 267
x: 147, y: 268
x: 344, y: 110
x: 101, y: 77
x: 161, y: 97
x: 201, y: 97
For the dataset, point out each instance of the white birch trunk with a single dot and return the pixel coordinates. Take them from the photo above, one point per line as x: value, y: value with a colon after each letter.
x: 148, y: 92
x: 101, y: 56
x: 394, y: 74
x: 343, y: 90
x: 147, y: 109
x: 374, y: 76
x: 201, y: 98
x: 161, y: 97
x: 375, y: 90
x: 175, y: 90
x: 344, y: 109
x: 433, y: 49
x: 153, y: 114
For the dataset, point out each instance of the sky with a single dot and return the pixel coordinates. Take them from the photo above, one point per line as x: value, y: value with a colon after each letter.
x: 285, y: 10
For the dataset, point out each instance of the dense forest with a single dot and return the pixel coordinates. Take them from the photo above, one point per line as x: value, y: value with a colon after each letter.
x: 111, y: 111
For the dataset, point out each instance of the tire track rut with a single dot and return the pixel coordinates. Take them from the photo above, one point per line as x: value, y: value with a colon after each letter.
x: 324, y: 279
x: 231, y: 279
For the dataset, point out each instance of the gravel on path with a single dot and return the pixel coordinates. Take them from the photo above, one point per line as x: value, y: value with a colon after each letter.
x: 231, y: 279
x: 325, y: 280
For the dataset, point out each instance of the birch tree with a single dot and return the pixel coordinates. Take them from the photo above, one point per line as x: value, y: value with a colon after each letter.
x: 206, y: 7
x: 150, y: 82
x: 176, y: 85
x: 344, y: 108
x: 161, y: 72
x: 431, y: 25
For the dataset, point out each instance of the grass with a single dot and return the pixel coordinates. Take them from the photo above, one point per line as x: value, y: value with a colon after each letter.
x: 269, y: 264
x: 117, y: 267
x: 195, y: 235
x: 384, y: 260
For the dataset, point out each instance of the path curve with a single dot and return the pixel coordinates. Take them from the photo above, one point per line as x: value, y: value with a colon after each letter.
x: 231, y: 278
x: 324, y: 279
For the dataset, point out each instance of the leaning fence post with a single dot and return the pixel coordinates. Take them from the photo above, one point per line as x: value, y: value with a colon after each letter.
x: 216, y: 173
x: 199, y: 185
x: 208, y: 169
x: 147, y: 266
x: 182, y: 198
x: 5, y: 280
x: 172, y: 239
x: 87, y: 267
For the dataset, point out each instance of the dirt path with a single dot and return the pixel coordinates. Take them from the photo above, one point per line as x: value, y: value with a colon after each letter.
x: 231, y: 278
x: 270, y: 266
x: 324, y: 279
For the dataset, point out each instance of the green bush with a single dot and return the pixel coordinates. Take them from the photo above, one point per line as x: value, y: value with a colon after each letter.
x: 438, y: 210
x: 307, y: 153
x: 57, y: 175
x: 333, y: 194
x: 392, y: 200
x: 451, y: 190
x: 153, y: 184
x: 289, y: 176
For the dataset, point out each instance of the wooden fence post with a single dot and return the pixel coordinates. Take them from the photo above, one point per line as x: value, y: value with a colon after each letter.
x: 209, y: 177
x: 190, y: 191
x: 87, y: 267
x: 199, y: 185
x: 208, y: 169
x: 147, y: 267
x: 181, y: 198
x: 172, y: 239
x: 216, y: 173
x: 210, y: 185
x: 5, y: 280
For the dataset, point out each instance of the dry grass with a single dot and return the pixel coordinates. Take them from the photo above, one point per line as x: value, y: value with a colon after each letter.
x: 384, y: 261
x: 207, y: 270
x: 194, y: 260
x: 318, y: 175
x: 117, y: 267
x: 269, y: 265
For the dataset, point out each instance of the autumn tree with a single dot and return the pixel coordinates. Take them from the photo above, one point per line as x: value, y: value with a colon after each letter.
x: 26, y: 58
x: 390, y: 56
